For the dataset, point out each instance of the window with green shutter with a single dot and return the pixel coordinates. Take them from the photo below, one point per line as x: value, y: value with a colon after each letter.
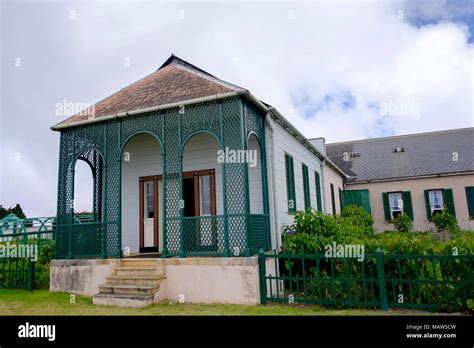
x: 307, y: 195
x: 394, y: 203
x: 438, y: 199
x: 290, y: 183
x: 470, y: 200
x: 318, y: 191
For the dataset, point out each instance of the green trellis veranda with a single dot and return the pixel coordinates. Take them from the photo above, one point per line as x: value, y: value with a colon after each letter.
x: 100, y: 144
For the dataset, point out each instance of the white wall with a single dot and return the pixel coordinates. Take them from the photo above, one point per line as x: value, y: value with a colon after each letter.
x: 331, y: 176
x: 145, y: 159
x: 284, y: 142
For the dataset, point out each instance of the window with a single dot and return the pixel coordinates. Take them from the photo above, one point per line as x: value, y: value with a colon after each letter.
x: 290, y: 183
x: 318, y: 191
x: 470, y: 200
x: 333, y: 202
x: 396, y: 204
x: 205, y: 195
x: 307, y: 195
x: 149, y: 200
x: 436, y: 201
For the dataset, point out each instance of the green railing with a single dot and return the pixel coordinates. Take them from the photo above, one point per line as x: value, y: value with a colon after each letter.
x: 207, y: 235
x: 21, y: 241
x: 17, y: 273
x: 85, y: 240
x: 430, y: 282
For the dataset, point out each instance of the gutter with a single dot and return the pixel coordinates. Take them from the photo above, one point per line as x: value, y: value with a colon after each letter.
x: 407, y: 178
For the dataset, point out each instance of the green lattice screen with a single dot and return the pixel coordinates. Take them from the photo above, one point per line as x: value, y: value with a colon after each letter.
x: 100, y: 144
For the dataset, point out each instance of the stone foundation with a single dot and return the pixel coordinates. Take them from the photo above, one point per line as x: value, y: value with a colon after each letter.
x: 192, y: 280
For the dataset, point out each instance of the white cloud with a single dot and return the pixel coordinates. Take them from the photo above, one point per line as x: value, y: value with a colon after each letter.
x: 283, y: 52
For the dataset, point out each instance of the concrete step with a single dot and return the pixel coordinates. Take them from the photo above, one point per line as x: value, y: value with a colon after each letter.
x: 139, y: 262
x: 135, y: 279
x: 128, y: 289
x: 122, y: 300
x: 137, y: 270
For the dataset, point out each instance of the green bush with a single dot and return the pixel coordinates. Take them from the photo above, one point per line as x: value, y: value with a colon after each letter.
x: 313, y: 231
x: 353, y: 215
x: 445, y: 221
x: 403, y: 223
x: 42, y: 266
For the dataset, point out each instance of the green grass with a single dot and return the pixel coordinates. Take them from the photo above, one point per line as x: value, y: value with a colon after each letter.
x: 42, y: 302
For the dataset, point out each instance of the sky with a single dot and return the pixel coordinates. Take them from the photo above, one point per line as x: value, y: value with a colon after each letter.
x: 341, y: 70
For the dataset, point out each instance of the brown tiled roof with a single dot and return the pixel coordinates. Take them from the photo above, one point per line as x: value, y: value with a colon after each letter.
x: 175, y: 81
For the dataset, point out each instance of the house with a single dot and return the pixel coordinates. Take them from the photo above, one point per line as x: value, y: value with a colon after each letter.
x: 186, y: 168
x: 419, y: 174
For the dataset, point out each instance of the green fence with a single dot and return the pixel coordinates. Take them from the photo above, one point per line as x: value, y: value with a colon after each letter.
x: 21, y: 241
x: 429, y: 282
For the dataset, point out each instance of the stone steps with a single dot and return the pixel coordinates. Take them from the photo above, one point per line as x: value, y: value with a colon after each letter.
x: 123, y: 300
x: 134, y: 284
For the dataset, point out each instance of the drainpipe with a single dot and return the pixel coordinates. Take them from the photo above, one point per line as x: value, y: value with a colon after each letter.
x: 273, y: 177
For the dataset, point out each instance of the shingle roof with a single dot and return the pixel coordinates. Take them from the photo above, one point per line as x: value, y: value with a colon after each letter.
x: 424, y: 154
x: 175, y: 81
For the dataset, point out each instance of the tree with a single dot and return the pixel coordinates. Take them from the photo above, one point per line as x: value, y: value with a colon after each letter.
x: 3, y: 212
x: 17, y: 210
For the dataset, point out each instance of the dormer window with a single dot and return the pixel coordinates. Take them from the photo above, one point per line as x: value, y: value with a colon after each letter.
x: 398, y: 149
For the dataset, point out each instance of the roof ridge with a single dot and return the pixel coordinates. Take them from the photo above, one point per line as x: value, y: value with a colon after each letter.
x: 211, y: 78
x: 400, y: 136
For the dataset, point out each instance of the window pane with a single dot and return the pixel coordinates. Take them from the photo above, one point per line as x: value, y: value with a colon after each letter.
x: 436, y: 200
x: 205, y: 194
x: 149, y: 187
x: 149, y: 200
x: 396, y: 201
x: 150, y: 212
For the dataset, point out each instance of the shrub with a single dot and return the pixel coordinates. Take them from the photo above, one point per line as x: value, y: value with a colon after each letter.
x: 403, y: 223
x: 357, y: 216
x: 42, y: 267
x: 445, y: 221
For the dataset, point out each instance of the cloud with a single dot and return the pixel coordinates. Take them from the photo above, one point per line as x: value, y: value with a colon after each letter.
x: 329, y: 67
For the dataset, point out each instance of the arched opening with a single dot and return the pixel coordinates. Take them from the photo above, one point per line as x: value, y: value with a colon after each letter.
x: 255, y: 175
x: 83, y: 189
x: 142, y: 194
x: 202, y: 194
x: 87, y: 187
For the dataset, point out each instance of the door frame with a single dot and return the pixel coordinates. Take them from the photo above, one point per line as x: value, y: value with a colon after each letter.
x: 141, y: 181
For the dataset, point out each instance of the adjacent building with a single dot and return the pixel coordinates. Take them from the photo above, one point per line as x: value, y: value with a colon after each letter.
x: 419, y: 174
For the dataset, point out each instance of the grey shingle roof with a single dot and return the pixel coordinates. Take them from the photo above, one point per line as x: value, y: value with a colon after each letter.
x: 424, y: 154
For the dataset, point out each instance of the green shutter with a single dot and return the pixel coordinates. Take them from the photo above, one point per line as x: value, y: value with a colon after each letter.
x: 307, y: 194
x: 407, y: 205
x: 318, y: 191
x: 449, y: 201
x: 470, y: 200
x: 427, y: 205
x: 333, y: 203
x: 386, y: 206
x: 290, y: 183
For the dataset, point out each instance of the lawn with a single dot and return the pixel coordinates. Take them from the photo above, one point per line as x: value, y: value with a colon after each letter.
x: 42, y: 302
